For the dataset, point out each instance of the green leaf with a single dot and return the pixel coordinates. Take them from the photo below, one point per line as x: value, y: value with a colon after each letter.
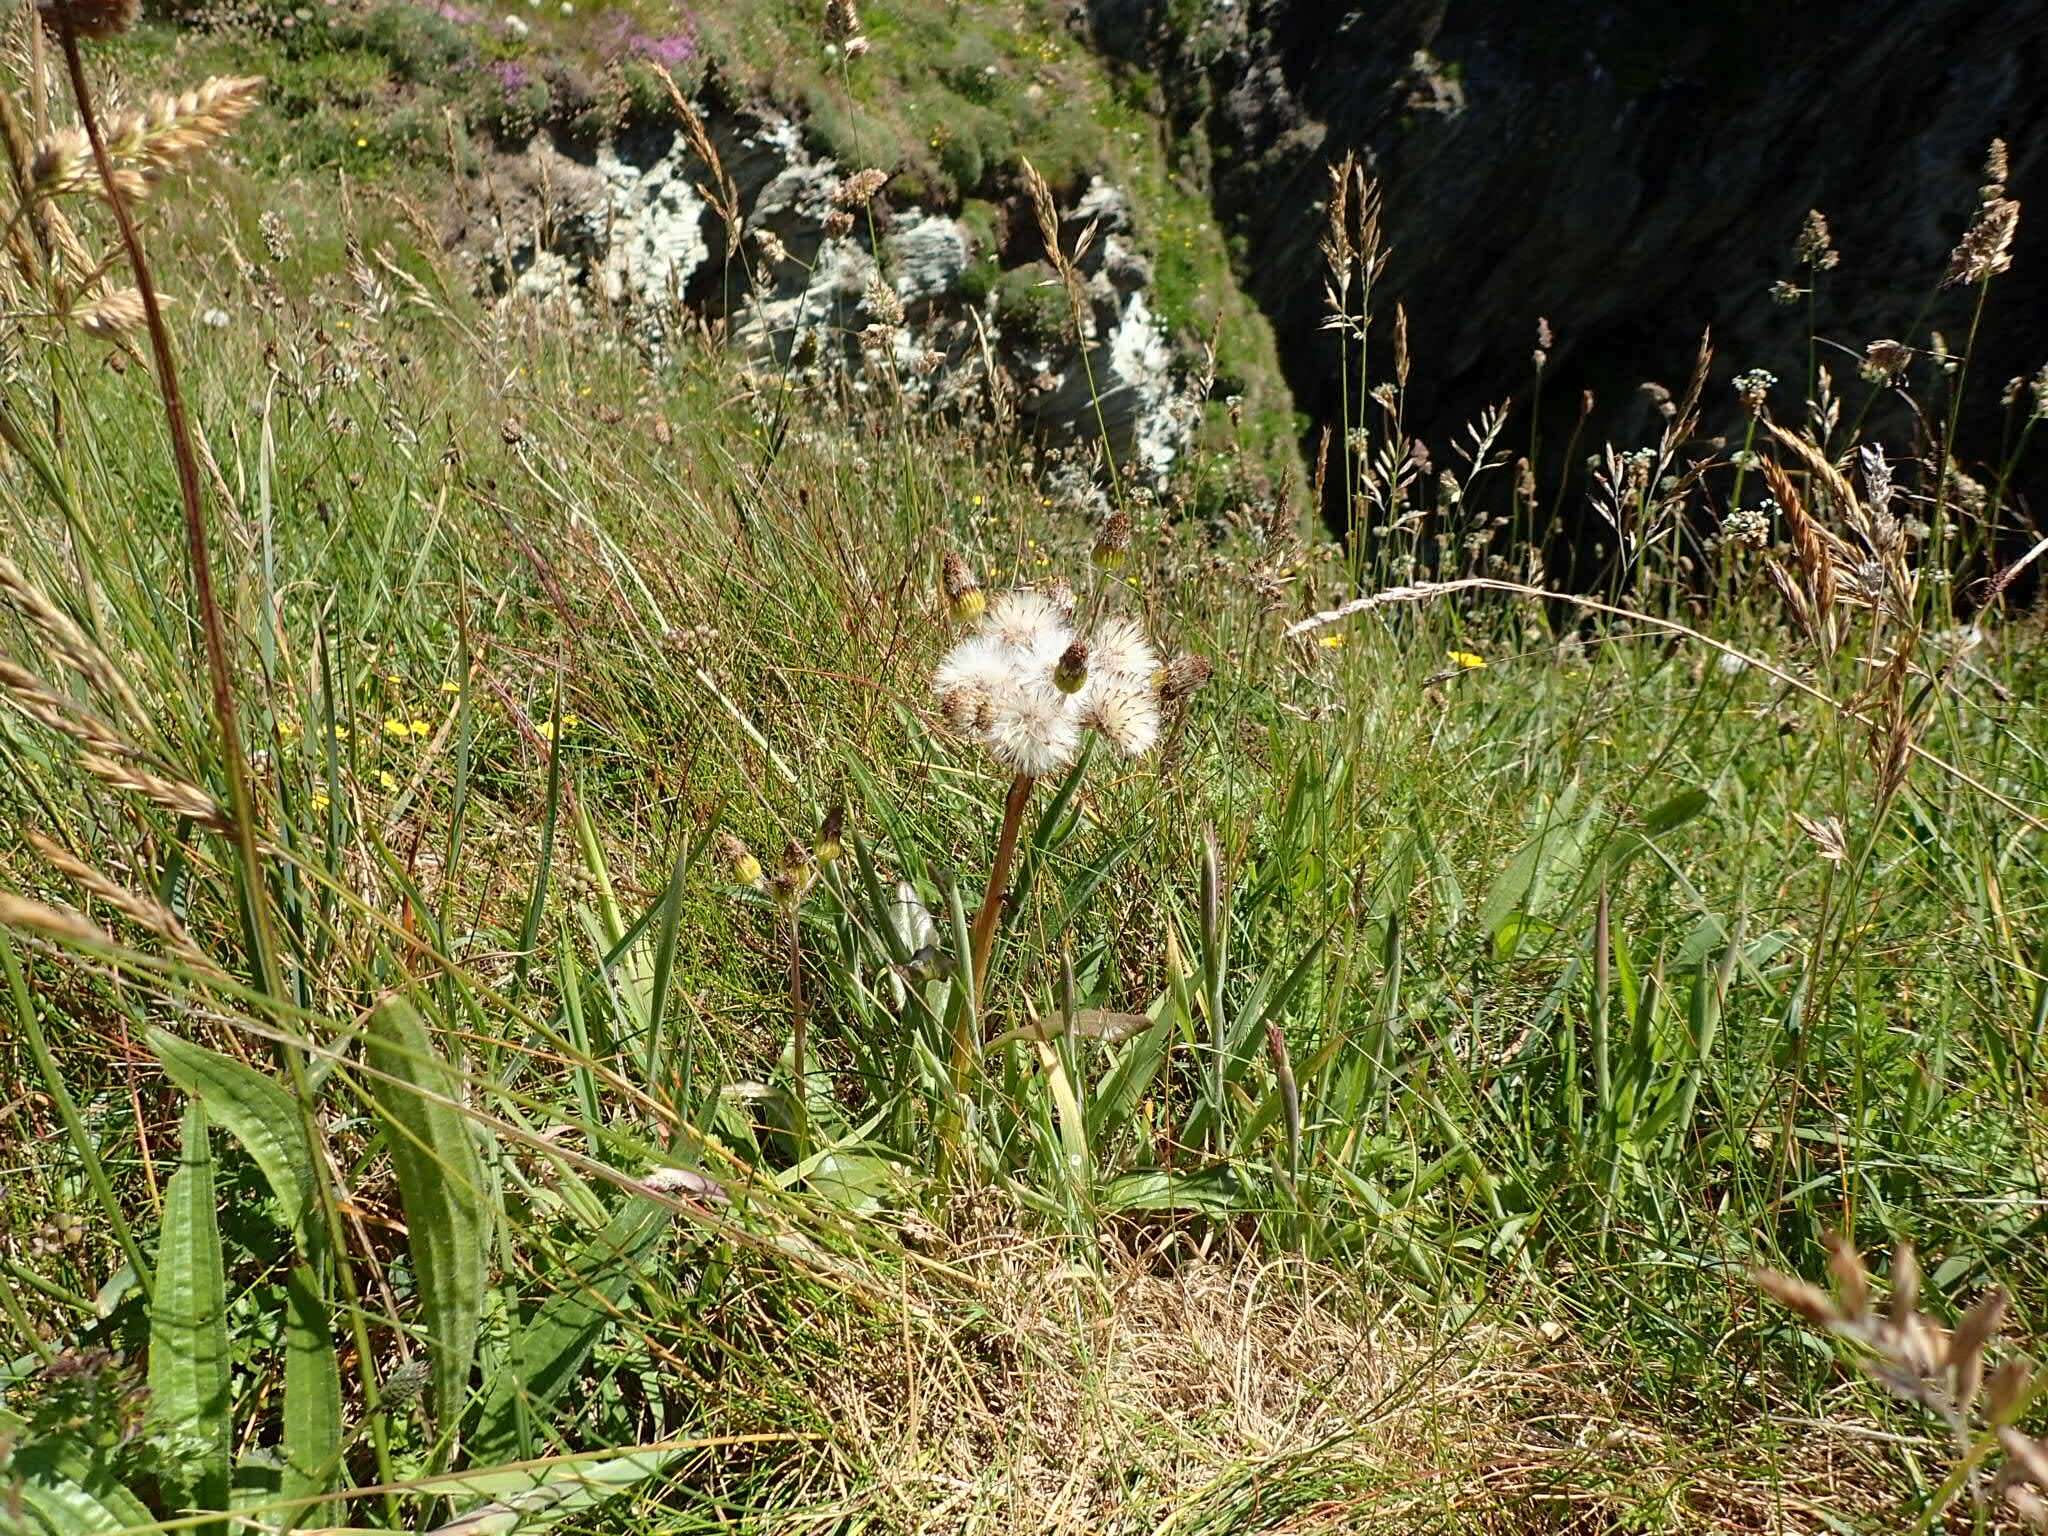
x: 260, y: 1114
x: 312, y: 1398
x: 60, y: 1507
x: 188, y: 1329
x: 1676, y: 811
x: 529, y: 1499
x: 552, y: 1347
x: 441, y: 1187
x: 1215, y: 1191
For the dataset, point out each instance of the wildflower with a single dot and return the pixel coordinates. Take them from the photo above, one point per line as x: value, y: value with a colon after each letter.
x: 1753, y: 387
x: 421, y: 728
x: 746, y: 869
x: 831, y: 842
x: 1070, y: 672
x: 1113, y: 542
x: 397, y: 728
x: 1332, y: 641
x: 1183, y: 677
x: 1027, y: 686
x: 790, y: 883
x: 963, y: 593
x: 1466, y: 660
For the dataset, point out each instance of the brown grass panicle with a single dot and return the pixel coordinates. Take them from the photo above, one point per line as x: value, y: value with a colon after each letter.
x: 1943, y: 1370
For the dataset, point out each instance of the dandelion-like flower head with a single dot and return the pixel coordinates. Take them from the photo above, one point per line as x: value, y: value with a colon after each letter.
x: 998, y: 685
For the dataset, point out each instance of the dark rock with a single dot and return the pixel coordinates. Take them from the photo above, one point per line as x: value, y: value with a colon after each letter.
x: 1633, y: 170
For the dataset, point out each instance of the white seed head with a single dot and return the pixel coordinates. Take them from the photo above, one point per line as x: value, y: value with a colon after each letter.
x: 979, y: 663
x: 1124, y: 712
x: 1027, y: 622
x: 1119, y: 649
x: 1035, y: 731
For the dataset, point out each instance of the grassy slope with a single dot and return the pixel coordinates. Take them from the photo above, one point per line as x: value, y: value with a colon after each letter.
x: 1519, y: 1289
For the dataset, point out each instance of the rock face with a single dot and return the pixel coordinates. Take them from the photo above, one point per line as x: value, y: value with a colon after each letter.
x: 959, y: 317
x: 1631, y: 170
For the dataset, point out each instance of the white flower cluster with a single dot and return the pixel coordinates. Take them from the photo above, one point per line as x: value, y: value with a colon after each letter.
x: 1027, y: 688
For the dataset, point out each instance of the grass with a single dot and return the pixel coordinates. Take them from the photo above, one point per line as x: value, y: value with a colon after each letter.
x: 1503, y: 979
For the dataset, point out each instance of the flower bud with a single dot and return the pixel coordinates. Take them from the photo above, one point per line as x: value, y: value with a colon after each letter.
x: 1070, y: 673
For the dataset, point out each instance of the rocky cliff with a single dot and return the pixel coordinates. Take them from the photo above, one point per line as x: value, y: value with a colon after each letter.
x: 1632, y: 170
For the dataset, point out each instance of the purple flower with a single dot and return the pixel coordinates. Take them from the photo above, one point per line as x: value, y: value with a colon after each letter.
x: 512, y: 75
x: 461, y: 15
x: 671, y: 51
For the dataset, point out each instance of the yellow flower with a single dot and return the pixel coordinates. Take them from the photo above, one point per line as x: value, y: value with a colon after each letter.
x: 397, y: 728
x: 421, y: 728
x: 385, y: 778
x: 1466, y: 659
x: 1332, y: 641
x: 393, y: 679
x: 449, y: 685
x: 320, y: 801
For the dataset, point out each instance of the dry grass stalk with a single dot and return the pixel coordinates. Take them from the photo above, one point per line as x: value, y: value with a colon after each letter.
x: 1810, y: 595
x: 180, y: 799
x: 52, y: 922
x: 65, y: 637
x: 42, y: 704
x: 723, y: 195
x: 1914, y: 1357
x: 145, y: 147
x: 143, y: 911
x: 110, y: 316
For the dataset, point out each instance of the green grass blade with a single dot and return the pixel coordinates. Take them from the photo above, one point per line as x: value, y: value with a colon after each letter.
x: 551, y: 1348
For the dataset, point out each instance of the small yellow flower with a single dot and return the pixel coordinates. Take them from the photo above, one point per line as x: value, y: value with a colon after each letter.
x: 421, y: 728
x: 387, y: 779
x: 320, y: 801
x: 1466, y: 659
x: 1332, y: 641
x: 449, y: 685
x: 397, y: 728
x: 362, y: 143
x: 393, y: 679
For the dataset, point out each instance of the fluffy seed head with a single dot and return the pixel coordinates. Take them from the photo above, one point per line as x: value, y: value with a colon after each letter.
x: 1123, y: 713
x: 1025, y: 621
x: 1986, y: 247
x: 1122, y: 651
x: 1034, y: 732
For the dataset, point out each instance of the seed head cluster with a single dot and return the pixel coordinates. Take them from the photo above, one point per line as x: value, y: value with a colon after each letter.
x: 1029, y: 689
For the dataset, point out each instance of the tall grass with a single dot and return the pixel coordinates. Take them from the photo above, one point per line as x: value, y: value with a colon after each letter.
x: 432, y: 1132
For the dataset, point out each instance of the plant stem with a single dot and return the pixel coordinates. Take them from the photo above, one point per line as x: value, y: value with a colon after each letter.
x: 798, y: 1040
x: 998, y: 880
x: 214, y: 630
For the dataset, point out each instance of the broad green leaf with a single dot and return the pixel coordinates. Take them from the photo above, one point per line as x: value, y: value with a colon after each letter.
x: 552, y: 1347
x: 188, y: 1329
x: 529, y: 1499
x: 441, y: 1187
x: 260, y: 1114
x: 1216, y: 1190
x: 312, y: 1397
x: 60, y: 1507
x: 62, y: 1489
x: 1676, y: 811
